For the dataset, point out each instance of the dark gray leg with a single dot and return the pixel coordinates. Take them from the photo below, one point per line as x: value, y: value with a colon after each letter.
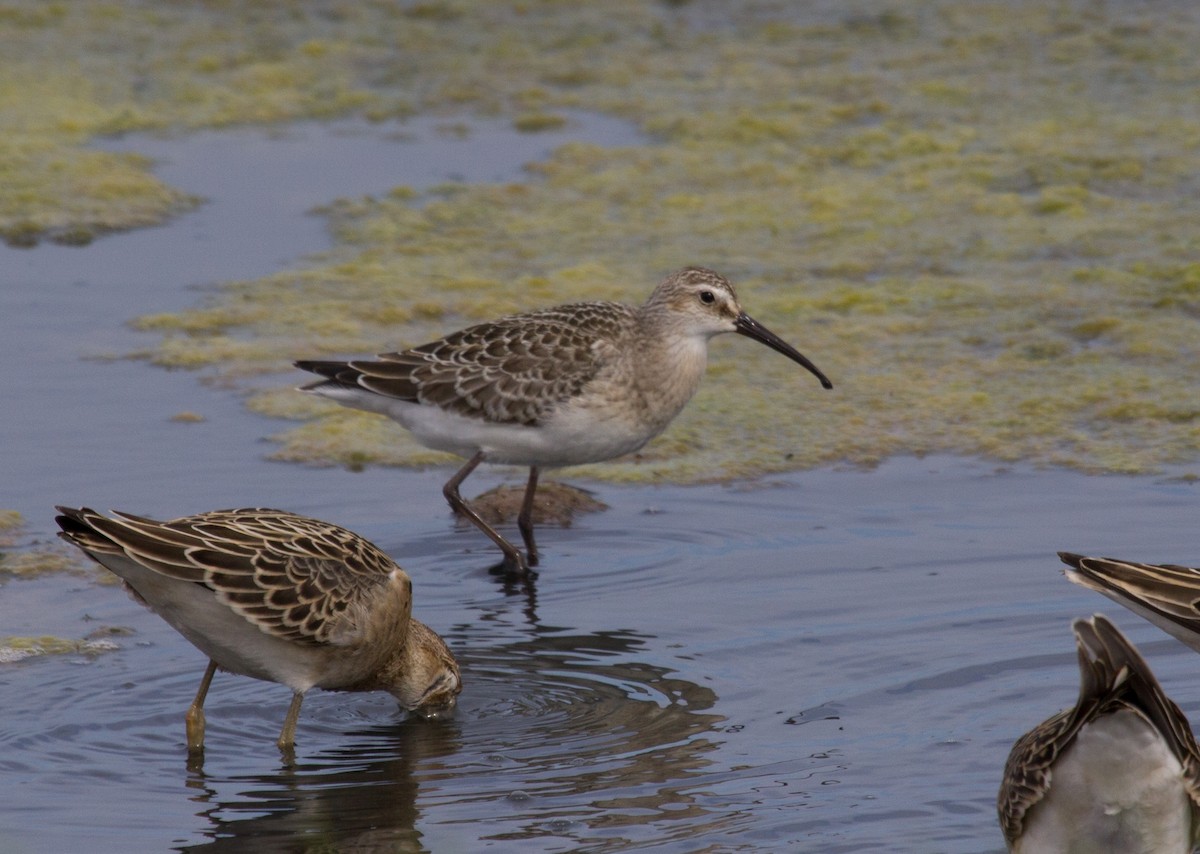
x: 525, y: 519
x: 513, y: 559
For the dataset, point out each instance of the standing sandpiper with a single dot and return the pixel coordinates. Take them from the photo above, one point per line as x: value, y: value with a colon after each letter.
x: 1118, y: 772
x: 562, y: 386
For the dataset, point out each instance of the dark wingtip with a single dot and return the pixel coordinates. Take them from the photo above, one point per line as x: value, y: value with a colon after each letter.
x: 825, y: 383
x: 322, y: 368
x: 1071, y: 559
x: 72, y: 520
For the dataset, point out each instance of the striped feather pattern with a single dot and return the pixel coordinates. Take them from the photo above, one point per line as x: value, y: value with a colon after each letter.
x: 294, y: 577
x: 514, y: 370
x: 1113, y: 677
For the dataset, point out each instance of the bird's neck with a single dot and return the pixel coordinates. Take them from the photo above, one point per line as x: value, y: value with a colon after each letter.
x: 670, y: 365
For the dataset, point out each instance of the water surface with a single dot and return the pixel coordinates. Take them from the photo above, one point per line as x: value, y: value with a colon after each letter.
x: 836, y: 660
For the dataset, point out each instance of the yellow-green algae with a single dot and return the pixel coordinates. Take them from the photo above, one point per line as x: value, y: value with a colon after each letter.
x: 22, y: 558
x: 10, y: 525
x: 35, y: 561
x: 16, y: 648
x: 977, y: 218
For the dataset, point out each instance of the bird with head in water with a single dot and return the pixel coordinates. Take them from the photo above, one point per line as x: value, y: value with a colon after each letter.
x: 1118, y: 772
x: 279, y: 597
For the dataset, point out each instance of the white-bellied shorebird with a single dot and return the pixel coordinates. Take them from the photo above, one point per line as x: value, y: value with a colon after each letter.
x: 1167, y: 595
x: 276, y: 596
x: 577, y: 383
x: 1118, y: 772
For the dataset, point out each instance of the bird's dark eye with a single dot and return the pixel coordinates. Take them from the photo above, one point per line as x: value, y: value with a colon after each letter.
x: 707, y: 297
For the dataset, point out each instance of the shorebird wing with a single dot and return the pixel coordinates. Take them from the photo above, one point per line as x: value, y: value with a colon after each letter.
x: 515, y: 370
x: 1141, y: 690
x: 296, y: 578
x: 1027, y: 771
x: 1167, y: 595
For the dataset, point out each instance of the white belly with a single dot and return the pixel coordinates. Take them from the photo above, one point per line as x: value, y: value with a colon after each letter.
x: 236, y: 644
x: 1118, y: 788
x: 573, y: 436
x: 570, y: 438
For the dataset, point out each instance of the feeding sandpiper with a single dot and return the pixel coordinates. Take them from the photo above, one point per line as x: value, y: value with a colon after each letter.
x: 1118, y: 772
x: 279, y: 597
x: 577, y: 383
x: 1167, y: 595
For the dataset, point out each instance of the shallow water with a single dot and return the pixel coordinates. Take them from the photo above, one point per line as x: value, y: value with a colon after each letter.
x: 836, y: 660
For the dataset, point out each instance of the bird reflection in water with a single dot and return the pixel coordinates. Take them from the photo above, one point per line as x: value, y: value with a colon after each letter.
x: 562, y: 734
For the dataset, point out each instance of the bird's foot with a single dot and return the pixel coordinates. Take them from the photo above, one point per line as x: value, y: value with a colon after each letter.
x: 514, y: 565
x: 195, y: 730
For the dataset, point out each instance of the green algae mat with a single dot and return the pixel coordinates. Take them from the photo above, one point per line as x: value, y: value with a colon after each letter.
x: 980, y: 219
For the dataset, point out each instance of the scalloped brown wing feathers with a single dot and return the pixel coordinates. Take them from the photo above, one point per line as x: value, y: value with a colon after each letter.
x: 292, y: 576
x: 515, y: 370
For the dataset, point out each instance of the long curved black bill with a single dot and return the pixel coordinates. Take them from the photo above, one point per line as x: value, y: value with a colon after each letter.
x: 748, y: 326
